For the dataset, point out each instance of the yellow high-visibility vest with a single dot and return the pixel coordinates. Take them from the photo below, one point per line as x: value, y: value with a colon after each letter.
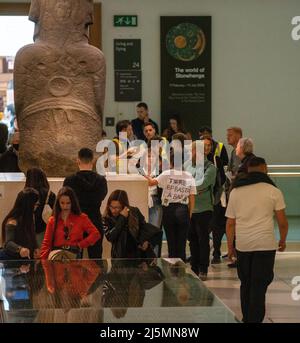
x: 122, y: 146
x: 218, y: 149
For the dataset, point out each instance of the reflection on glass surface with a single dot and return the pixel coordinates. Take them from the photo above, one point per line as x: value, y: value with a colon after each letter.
x: 120, y: 290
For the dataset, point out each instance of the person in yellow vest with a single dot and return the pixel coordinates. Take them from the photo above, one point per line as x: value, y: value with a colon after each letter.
x: 151, y: 134
x: 218, y: 148
x: 122, y: 142
x: 219, y: 158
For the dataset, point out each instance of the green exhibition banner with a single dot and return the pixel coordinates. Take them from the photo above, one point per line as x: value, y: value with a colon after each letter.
x: 186, y: 71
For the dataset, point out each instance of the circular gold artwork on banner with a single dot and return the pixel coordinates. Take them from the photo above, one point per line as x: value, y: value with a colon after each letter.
x: 185, y: 42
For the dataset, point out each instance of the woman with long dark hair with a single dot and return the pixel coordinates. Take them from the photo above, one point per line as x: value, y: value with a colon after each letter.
x: 175, y: 125
x: 66, y: 227
x: 37, y: 179
x: 125, y: 227
x: 18, y: 233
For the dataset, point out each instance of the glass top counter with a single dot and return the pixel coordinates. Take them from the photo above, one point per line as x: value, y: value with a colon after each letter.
x: 106, y: 291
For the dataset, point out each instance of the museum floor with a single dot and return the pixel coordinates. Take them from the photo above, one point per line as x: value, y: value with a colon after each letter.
x: 224, y: 283
x: 280, y: 307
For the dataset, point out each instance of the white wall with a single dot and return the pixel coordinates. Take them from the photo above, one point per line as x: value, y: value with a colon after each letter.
x: 255, y: 66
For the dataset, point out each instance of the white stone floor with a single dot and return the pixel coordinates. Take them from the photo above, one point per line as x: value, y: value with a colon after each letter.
x: 280, y: 307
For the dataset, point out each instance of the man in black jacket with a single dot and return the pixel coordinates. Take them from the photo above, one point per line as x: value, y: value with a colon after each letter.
x: 91, y: 189
x: 143, y: 117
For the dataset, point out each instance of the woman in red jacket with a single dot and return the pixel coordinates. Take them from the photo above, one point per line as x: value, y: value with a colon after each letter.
x: 66, y: 227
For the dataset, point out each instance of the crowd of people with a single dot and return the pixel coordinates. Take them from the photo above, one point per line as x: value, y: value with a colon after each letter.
x: 230, y: 194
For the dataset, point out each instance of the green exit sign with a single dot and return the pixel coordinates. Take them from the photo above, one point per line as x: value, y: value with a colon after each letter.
x: 125, y: 20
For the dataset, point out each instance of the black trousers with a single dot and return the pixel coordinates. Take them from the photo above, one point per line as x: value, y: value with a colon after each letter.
x: 218, y: 225
x: 255, y: 270
x: 199, y: 241
x: 95, y: 251
x: 176, y: 222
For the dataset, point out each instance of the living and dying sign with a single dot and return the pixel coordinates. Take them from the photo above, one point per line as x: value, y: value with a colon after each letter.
x: 186, y: 71
x: 128, y: 73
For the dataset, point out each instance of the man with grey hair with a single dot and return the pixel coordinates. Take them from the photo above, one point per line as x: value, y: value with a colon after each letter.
x: 244, y: 150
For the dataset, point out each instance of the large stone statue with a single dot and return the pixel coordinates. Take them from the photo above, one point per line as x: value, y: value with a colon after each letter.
x: 59, y: 87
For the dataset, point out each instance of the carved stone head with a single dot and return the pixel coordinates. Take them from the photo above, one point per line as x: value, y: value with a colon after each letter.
x: 56, y: 15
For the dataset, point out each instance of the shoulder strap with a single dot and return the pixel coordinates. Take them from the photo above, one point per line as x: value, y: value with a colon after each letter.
x: 54, y: 231
x: 48, y: 195
x: 207, y: 165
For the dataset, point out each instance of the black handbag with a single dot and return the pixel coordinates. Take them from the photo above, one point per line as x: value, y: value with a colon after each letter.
x: 149, y: 232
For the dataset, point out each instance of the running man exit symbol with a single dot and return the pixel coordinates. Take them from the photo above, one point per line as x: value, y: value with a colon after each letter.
x: 125, y: 20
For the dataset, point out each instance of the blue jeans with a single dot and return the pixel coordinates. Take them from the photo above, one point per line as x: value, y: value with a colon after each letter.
x: 155, y: 212
x: 155, y: 218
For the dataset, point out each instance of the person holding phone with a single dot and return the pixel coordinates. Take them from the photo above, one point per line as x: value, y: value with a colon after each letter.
x: 125, y: 227
x: 18, y: 229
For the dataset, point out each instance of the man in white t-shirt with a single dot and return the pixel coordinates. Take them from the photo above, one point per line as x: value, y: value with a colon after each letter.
x: 252, y: 204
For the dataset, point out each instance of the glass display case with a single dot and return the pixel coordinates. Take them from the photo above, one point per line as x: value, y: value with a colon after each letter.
x: 107, y: 291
